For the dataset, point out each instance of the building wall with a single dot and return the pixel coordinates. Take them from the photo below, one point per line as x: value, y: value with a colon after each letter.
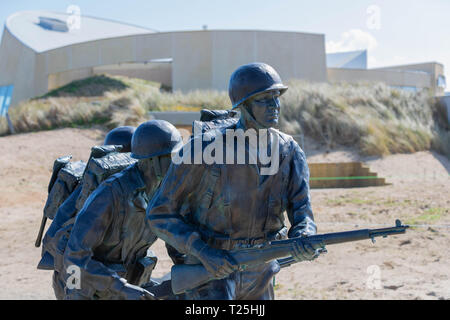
x: 17, y: 64
x: 59, y: 79
x: 201, y: 59
x: 206, y: 59
x: 192, y: 60
x: 390, y: 77
x: 294, y: 55
x: 154, y: 71
x: 434, y: 69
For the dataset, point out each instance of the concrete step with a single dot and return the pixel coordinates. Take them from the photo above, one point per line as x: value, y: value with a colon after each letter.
x: 348, y: 183
x: 338, y: 169
x: 342, y: 175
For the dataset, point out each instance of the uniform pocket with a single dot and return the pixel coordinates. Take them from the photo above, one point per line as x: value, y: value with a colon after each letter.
x: 275, y: 218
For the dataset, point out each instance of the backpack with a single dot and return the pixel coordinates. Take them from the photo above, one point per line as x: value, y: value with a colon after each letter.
x: 214, y: 119
x: 65, y: 178
x: 104, y: 161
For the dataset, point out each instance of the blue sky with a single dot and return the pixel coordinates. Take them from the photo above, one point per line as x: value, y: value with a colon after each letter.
x: 394, y: 32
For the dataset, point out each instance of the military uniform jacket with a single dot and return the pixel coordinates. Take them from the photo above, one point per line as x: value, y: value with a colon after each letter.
x: 229, y: 204
x: 109, y: 235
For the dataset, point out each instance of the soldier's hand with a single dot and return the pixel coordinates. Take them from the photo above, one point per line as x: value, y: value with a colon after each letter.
x: 219, y: 263
x: 307, y: 251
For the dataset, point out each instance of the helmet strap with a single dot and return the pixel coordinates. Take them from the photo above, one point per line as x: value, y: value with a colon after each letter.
x: 248, y: 119
x: 157, y: 167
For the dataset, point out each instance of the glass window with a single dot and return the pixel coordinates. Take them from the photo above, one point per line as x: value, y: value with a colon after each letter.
x: 441, y: 81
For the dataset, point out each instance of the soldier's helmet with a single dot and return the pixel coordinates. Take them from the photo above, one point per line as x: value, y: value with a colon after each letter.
x: 120, y: 136
x: 250, y: 79
x: 155, y: 138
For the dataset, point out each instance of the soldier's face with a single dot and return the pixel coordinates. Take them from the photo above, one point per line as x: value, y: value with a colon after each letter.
x: 265, y: 108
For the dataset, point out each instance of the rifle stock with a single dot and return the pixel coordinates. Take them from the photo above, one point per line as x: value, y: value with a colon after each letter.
x: 186, y: 277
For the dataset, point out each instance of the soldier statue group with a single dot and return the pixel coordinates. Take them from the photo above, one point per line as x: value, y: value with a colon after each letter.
x: 108, y: 212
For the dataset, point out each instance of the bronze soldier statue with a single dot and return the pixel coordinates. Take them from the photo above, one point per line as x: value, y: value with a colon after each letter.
x: 108, y: 245
x: 206, y: 209
x: 55, y: 239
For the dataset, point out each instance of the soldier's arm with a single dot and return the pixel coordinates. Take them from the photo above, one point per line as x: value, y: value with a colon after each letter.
x: 168, y: 216
x: 88, y: 233
x: 299, y: 200
x: 65, y: 212
x: 169, y: 207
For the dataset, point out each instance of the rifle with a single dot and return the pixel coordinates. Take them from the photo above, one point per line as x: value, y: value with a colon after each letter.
x: 59, y: 163
x: 186, y: 277
x: 37, y: 243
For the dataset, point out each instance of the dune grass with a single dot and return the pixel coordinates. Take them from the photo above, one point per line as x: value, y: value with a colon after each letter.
x: 375, y: 118
x: 105, y: 100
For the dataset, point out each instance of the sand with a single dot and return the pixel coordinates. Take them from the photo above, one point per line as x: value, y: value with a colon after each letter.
x: 410, y: 266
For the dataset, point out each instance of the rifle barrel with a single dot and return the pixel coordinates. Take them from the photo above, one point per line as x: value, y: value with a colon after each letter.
x: 37, y: 243
x: 347, y: 236
x: 341, y: 237
x: 355, y: 235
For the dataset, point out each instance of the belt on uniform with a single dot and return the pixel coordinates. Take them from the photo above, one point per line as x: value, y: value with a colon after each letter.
x: 224, y: 242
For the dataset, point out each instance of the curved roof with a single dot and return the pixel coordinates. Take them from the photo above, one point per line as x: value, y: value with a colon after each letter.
x: 46, y: 30
x: 347, y: 60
